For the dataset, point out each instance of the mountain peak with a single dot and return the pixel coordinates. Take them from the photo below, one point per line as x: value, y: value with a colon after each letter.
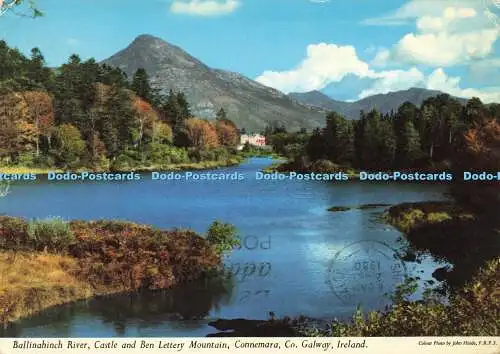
x: 146, y: 37
x: 152, y: 54
x: 148, y: 40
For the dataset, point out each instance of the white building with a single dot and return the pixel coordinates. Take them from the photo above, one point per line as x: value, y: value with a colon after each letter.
x: 254, y: 139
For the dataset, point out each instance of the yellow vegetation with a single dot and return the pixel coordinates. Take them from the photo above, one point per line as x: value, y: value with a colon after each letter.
x: 30, y: 282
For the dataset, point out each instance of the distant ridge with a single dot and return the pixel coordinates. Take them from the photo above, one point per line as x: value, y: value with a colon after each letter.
x: 382, y: 102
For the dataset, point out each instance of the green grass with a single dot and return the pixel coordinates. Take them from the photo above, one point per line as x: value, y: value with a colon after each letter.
x: 203, y: 165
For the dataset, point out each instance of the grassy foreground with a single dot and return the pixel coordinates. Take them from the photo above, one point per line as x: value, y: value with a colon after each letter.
x: 51, y: 262
x: 203, y: 165
x: 30, y: 282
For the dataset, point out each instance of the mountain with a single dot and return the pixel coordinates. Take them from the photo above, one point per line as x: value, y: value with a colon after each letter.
x: 248, y: 103
x: 319, y: 99
x: 382, y: 102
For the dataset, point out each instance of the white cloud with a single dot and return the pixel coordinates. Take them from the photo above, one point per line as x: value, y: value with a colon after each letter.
x: 204, y: 7
x: 418, y: 8
x: 382, y: 58
x: 324, y: 64
x: 445, y: 35
x: 448, y: 33
x: 329, y: 63
x: 445, y: 49
x: 445, y: 20
x: 438, y: 80
x: 394, y: 80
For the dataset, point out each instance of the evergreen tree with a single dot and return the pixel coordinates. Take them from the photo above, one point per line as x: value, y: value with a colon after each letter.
x: 141, y: 86
x: 118, y: 122
x: 315, y: 147
x: 221, y: 114
x: 184, y: 110
x: 475, y: 112
x: 338, y: 138
x: 409, y: 145
x: 403, y: 123
x: 110, y: 76
x: 38, y: 76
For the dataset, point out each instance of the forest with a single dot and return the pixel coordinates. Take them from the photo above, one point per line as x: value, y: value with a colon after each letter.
x: 89, y: 115
x: 412, y: 137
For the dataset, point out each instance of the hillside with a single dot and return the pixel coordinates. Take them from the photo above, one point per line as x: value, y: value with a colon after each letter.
x: 382, y: 102
x: 250, y: 104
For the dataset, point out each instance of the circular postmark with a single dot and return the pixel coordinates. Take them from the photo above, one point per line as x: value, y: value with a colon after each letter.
x: 492, y: 10
x: 365, y: 271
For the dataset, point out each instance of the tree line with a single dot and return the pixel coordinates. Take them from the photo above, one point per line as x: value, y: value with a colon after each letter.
x: 87, y: 114
x: 440, y: 134
x: 410, y: 137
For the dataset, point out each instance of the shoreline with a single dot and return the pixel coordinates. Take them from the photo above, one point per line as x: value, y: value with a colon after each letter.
x: 36, y: 278
x: 195, y: 166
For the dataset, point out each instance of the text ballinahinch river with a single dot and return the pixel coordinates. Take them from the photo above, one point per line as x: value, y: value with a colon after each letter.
x: 297, y: 258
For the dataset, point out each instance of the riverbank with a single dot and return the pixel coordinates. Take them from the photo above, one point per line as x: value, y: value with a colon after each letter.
x: 474, y: 310
x: 50, y: 262
x: 203, y: 165
x: 449, y: 232
x: 326, y: 166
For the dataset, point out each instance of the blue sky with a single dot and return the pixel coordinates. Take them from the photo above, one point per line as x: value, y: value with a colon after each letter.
x: 347, y: 48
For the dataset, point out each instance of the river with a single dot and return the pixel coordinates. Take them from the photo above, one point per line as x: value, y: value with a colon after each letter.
x: 297, y: 258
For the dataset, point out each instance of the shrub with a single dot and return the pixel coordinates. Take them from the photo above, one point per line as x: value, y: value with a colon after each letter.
x: 223, y: 236
x: 13, y: 233
x: 325, y: 166
x: 26, y: 159
x: 129, y: 256
x: 472, y: 311
x: 164, y: 154
x: 51, y: 234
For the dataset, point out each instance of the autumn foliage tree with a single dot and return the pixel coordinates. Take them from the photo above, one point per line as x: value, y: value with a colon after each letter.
x: 227, y: 133
x: 146, y: 117
x: 480, y: 154
x: 41, y: 115
x: 19, y: 134
x: 162, y: 133
x: 201, y: 134
x: 122, y: 124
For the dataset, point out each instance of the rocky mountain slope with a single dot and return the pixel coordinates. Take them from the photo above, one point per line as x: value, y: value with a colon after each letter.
x: 250, y: 104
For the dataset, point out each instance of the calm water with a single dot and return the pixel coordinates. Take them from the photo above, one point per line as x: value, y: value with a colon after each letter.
x: 297, y: 257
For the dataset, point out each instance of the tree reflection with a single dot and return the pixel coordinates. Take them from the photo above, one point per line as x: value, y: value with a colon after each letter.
x: 182, y: 307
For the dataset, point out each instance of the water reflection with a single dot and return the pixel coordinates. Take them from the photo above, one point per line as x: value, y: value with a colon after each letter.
x: 182, y: 307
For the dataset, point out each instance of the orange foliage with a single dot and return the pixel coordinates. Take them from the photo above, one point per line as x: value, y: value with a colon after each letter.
x: 483, y: 142
x: 17, y: 115
x: 41, y: 110
x: 142, y: 106
x: 201, y: 133
x: 227, y: 133
x: 145, y: 114
x: 482, y: 154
